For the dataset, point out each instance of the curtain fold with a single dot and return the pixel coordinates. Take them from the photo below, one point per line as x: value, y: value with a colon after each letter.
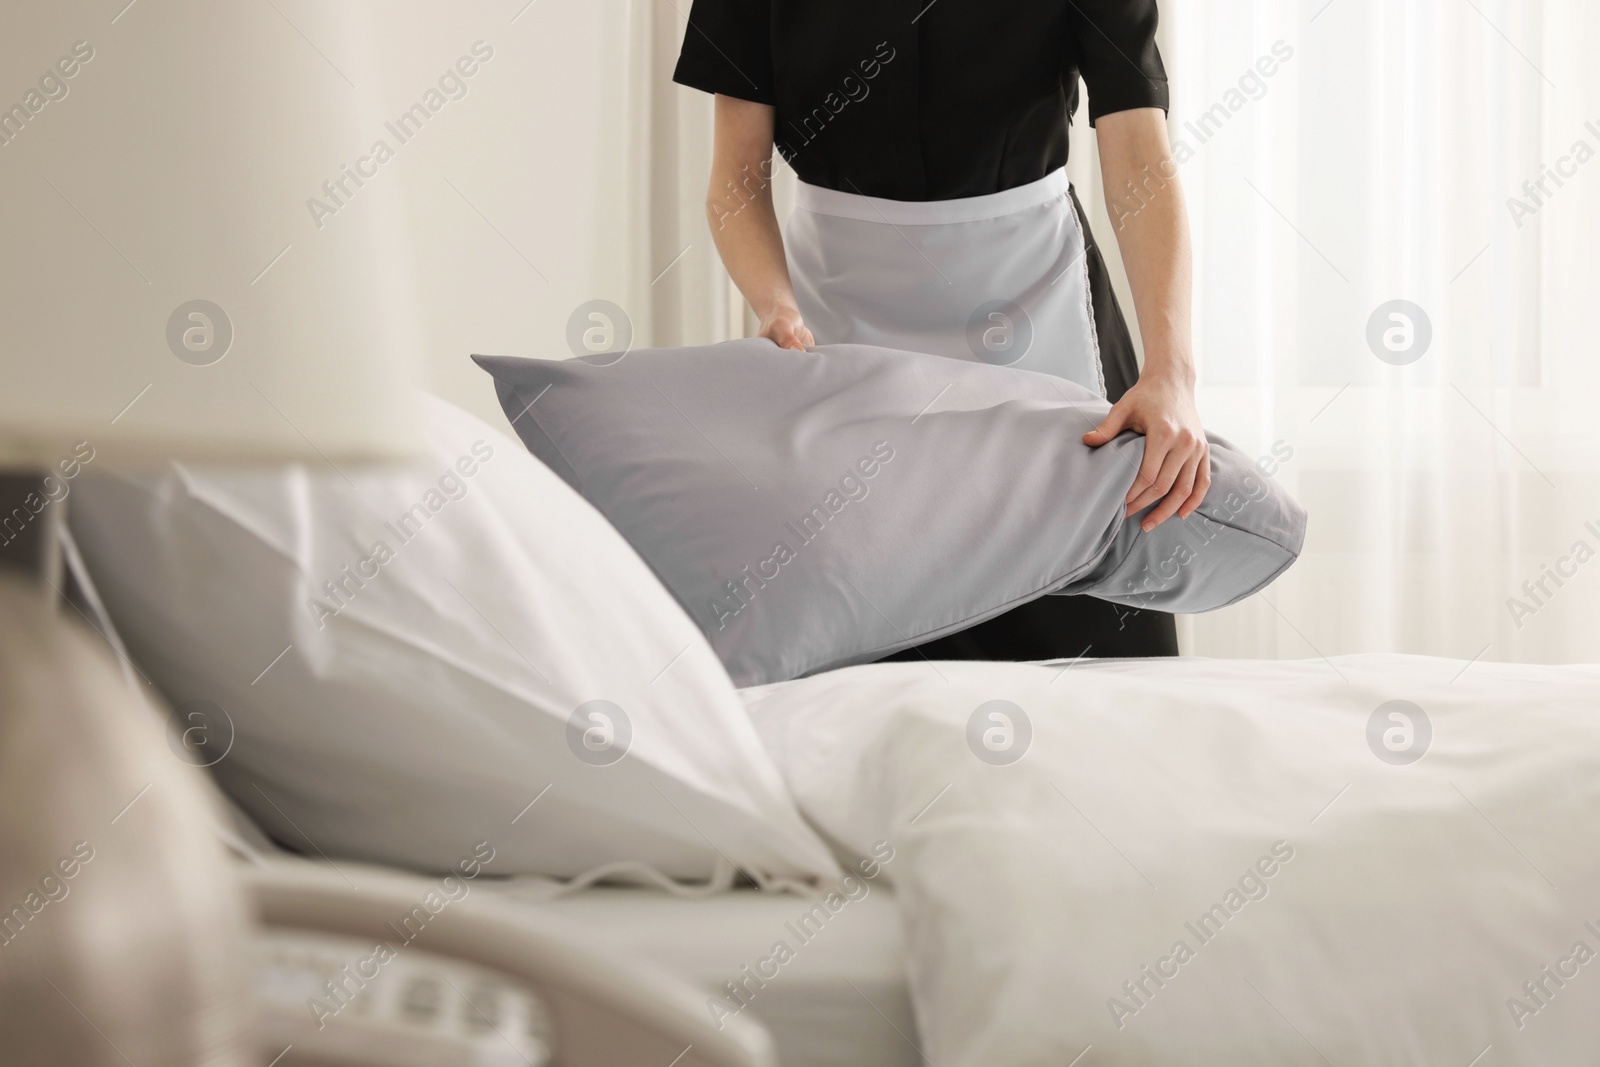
x: 675, y: 278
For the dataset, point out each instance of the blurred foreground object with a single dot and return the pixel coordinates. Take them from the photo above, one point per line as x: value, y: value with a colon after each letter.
x: 123, y: 925
x: 169, y: 294
x: 179, y: 303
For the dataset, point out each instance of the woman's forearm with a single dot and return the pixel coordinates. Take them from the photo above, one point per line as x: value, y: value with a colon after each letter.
x: 745, y: 228
x: 1147, y: 211
x: 744, y: 225
x: 1146, y: 205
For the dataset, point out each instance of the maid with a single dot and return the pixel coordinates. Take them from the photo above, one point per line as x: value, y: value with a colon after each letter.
x: 934, y: 214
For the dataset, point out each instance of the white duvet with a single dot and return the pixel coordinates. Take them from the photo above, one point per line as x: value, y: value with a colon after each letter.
x: 1223, y: 862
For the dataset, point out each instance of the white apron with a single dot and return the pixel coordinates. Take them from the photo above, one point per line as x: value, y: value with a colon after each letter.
x: 1001, y: 278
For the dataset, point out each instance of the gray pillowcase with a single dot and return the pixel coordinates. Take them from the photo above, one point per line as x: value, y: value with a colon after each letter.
x: 815, y: 509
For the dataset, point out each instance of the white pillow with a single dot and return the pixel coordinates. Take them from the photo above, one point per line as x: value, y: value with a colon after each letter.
x: 1368, y: 861
x: 392, y: 663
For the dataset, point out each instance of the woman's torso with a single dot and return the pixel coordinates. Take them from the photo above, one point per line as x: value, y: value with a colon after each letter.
x: 919, y: 100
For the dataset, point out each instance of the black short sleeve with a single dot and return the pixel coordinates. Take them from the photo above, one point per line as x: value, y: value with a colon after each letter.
x: 1117, y: 54
x: 727, y: 49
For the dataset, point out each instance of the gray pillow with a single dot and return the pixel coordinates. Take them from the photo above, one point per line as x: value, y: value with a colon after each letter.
x: 816, y: 509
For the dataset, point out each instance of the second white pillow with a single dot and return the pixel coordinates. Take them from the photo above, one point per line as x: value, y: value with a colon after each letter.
x: 396, y: 665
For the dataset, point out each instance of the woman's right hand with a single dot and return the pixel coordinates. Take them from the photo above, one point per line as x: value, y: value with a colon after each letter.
x: 743, y: 223
x: 784, y: 328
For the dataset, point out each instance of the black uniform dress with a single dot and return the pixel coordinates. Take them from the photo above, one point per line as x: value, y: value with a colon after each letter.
x: 912, y: 100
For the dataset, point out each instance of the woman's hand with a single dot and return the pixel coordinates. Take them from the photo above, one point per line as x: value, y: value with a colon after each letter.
x: 1153, y: 234
x: 782, y: 326
x: 1177, y: 457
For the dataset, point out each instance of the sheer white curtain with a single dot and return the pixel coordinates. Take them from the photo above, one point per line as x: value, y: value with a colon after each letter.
x: 1341, y: 155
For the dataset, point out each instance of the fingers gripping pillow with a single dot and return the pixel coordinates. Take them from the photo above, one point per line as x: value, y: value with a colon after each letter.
x: 816, y: 509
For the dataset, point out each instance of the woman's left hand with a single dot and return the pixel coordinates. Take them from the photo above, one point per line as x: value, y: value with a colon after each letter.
x: 1177, y: 458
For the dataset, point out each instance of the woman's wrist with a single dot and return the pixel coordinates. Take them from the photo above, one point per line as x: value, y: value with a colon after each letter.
x: 1168, y: 366
x: 773, y: 307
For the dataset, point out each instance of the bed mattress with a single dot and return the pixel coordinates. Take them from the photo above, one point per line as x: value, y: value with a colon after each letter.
x: 838, y: 999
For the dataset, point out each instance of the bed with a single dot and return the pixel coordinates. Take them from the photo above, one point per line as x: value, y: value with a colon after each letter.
x: 1365, y: 860
x: 1356, y: 877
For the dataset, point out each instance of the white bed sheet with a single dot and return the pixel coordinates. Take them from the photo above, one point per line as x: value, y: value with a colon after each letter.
x: 841, y: 1001
x: 1258, y: 864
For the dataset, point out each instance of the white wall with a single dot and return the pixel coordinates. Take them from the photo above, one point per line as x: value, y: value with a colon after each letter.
x: 517, y: 194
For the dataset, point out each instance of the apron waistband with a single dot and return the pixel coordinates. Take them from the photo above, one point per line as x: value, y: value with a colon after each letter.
x: 834, y: 202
